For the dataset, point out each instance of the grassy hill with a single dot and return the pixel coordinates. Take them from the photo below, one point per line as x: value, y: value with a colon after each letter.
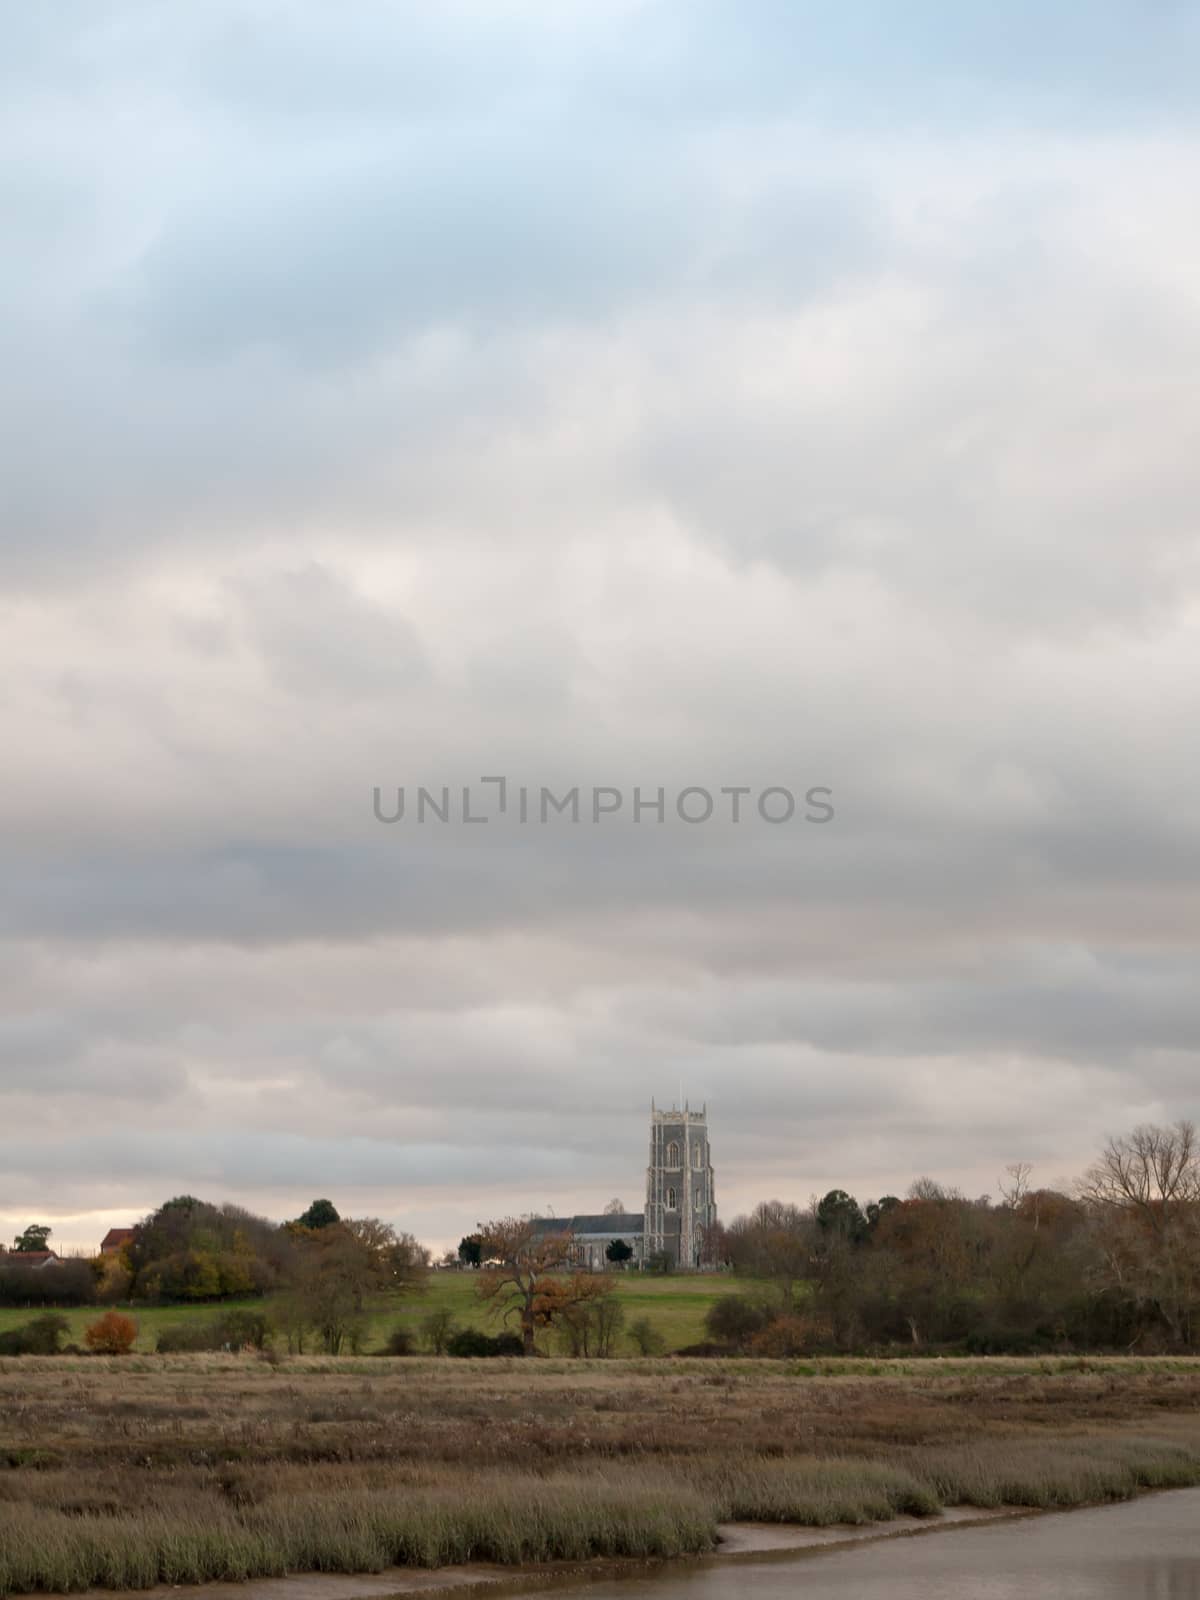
x: 675, y: 1305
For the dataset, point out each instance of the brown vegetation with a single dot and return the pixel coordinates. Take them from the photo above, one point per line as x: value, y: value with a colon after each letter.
x: 111, y: 1335
x: 1114, y: 1266
x: 183, y: 1468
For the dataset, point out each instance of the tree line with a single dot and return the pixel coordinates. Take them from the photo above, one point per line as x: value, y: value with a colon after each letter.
x: 323, y: 1271
x: 1112, y: 1264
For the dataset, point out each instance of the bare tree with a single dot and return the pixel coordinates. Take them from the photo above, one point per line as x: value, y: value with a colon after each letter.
x: 615, y: 1208
x: 930, y: 1189
x: 1017, y: 1185
x: 1153, y: 1169
x: 775, y: 1241
x: 1144, y: 1193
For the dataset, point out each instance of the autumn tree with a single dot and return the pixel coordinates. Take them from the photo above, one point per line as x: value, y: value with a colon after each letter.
x: 524, y: 1276
x: 190, y: 1249
x: 111, y: 1335
x: 394, y: 1263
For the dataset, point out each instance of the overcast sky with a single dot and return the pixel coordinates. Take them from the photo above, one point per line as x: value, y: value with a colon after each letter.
x: 765, y: 395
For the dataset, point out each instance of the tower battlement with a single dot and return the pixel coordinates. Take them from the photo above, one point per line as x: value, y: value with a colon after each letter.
x: 696, y: 1118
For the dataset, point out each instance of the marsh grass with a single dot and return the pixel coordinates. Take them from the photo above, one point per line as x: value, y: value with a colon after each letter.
x: 214, y: 1467
x: 816, y: 1492
x: 1046, y: 1474
x: 607, y: 1510
x: 525, y: 1520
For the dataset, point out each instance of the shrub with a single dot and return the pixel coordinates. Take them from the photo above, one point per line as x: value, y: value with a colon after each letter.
x: 184, y: 1336
x: 111, y: 1335
x: 236, y: 1330
x: 646, y: 1338
x: 471, y: 1342
x: 41, y: 1337
x: 243, y: 1329
x: 735, y: 1319
x: 400, y: 1342
x: 437, y: 1327
x: 788, y: 1335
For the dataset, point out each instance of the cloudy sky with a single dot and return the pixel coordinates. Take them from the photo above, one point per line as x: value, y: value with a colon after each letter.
x: 597, y: 395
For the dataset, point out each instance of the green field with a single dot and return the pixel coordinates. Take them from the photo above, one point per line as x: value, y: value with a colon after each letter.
x: 674, y: 1305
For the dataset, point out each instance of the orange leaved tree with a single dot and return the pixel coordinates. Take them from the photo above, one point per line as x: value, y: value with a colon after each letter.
x: 524, y: 1275
x: 112, y: 1335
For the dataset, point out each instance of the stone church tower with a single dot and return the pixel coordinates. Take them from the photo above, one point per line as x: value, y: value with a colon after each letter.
x: 680, y: 1195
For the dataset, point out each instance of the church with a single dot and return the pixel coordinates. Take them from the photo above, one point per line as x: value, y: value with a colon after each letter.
x: 680, y: 1199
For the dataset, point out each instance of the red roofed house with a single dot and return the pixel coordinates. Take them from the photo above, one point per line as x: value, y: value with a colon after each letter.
x: 30, y: 1258
x: 115, y: 1239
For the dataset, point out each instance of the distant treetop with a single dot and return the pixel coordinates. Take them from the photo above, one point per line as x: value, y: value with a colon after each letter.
x: 321, y: 1214
x: 33, y: 1239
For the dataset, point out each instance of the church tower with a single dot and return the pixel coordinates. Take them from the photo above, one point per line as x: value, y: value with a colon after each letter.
x: 680, y: 1194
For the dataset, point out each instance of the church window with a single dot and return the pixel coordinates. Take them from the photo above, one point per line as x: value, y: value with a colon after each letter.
x: 670, y: 1199
x: 672, y: 1154
x: 696, y: 1155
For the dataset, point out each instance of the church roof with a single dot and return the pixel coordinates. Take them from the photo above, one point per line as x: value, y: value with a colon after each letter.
x: 616, y: 1223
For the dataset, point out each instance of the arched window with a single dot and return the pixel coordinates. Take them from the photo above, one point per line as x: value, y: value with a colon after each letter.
x: 670, y: 1199
x: 697, y: 1154
x: 672, y: 1154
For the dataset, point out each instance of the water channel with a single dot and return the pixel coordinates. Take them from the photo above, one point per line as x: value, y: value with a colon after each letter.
x: 1146, y: 1549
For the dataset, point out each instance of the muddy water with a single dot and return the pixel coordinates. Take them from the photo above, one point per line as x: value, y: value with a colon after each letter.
x: 1146, y: 1549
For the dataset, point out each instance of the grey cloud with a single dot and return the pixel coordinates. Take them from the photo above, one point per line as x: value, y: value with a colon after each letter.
x: 656, y: 396
x: 320, y: 638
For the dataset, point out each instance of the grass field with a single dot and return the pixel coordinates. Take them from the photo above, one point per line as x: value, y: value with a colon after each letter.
x: 675, y: 1305
x: 123, y: 1473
